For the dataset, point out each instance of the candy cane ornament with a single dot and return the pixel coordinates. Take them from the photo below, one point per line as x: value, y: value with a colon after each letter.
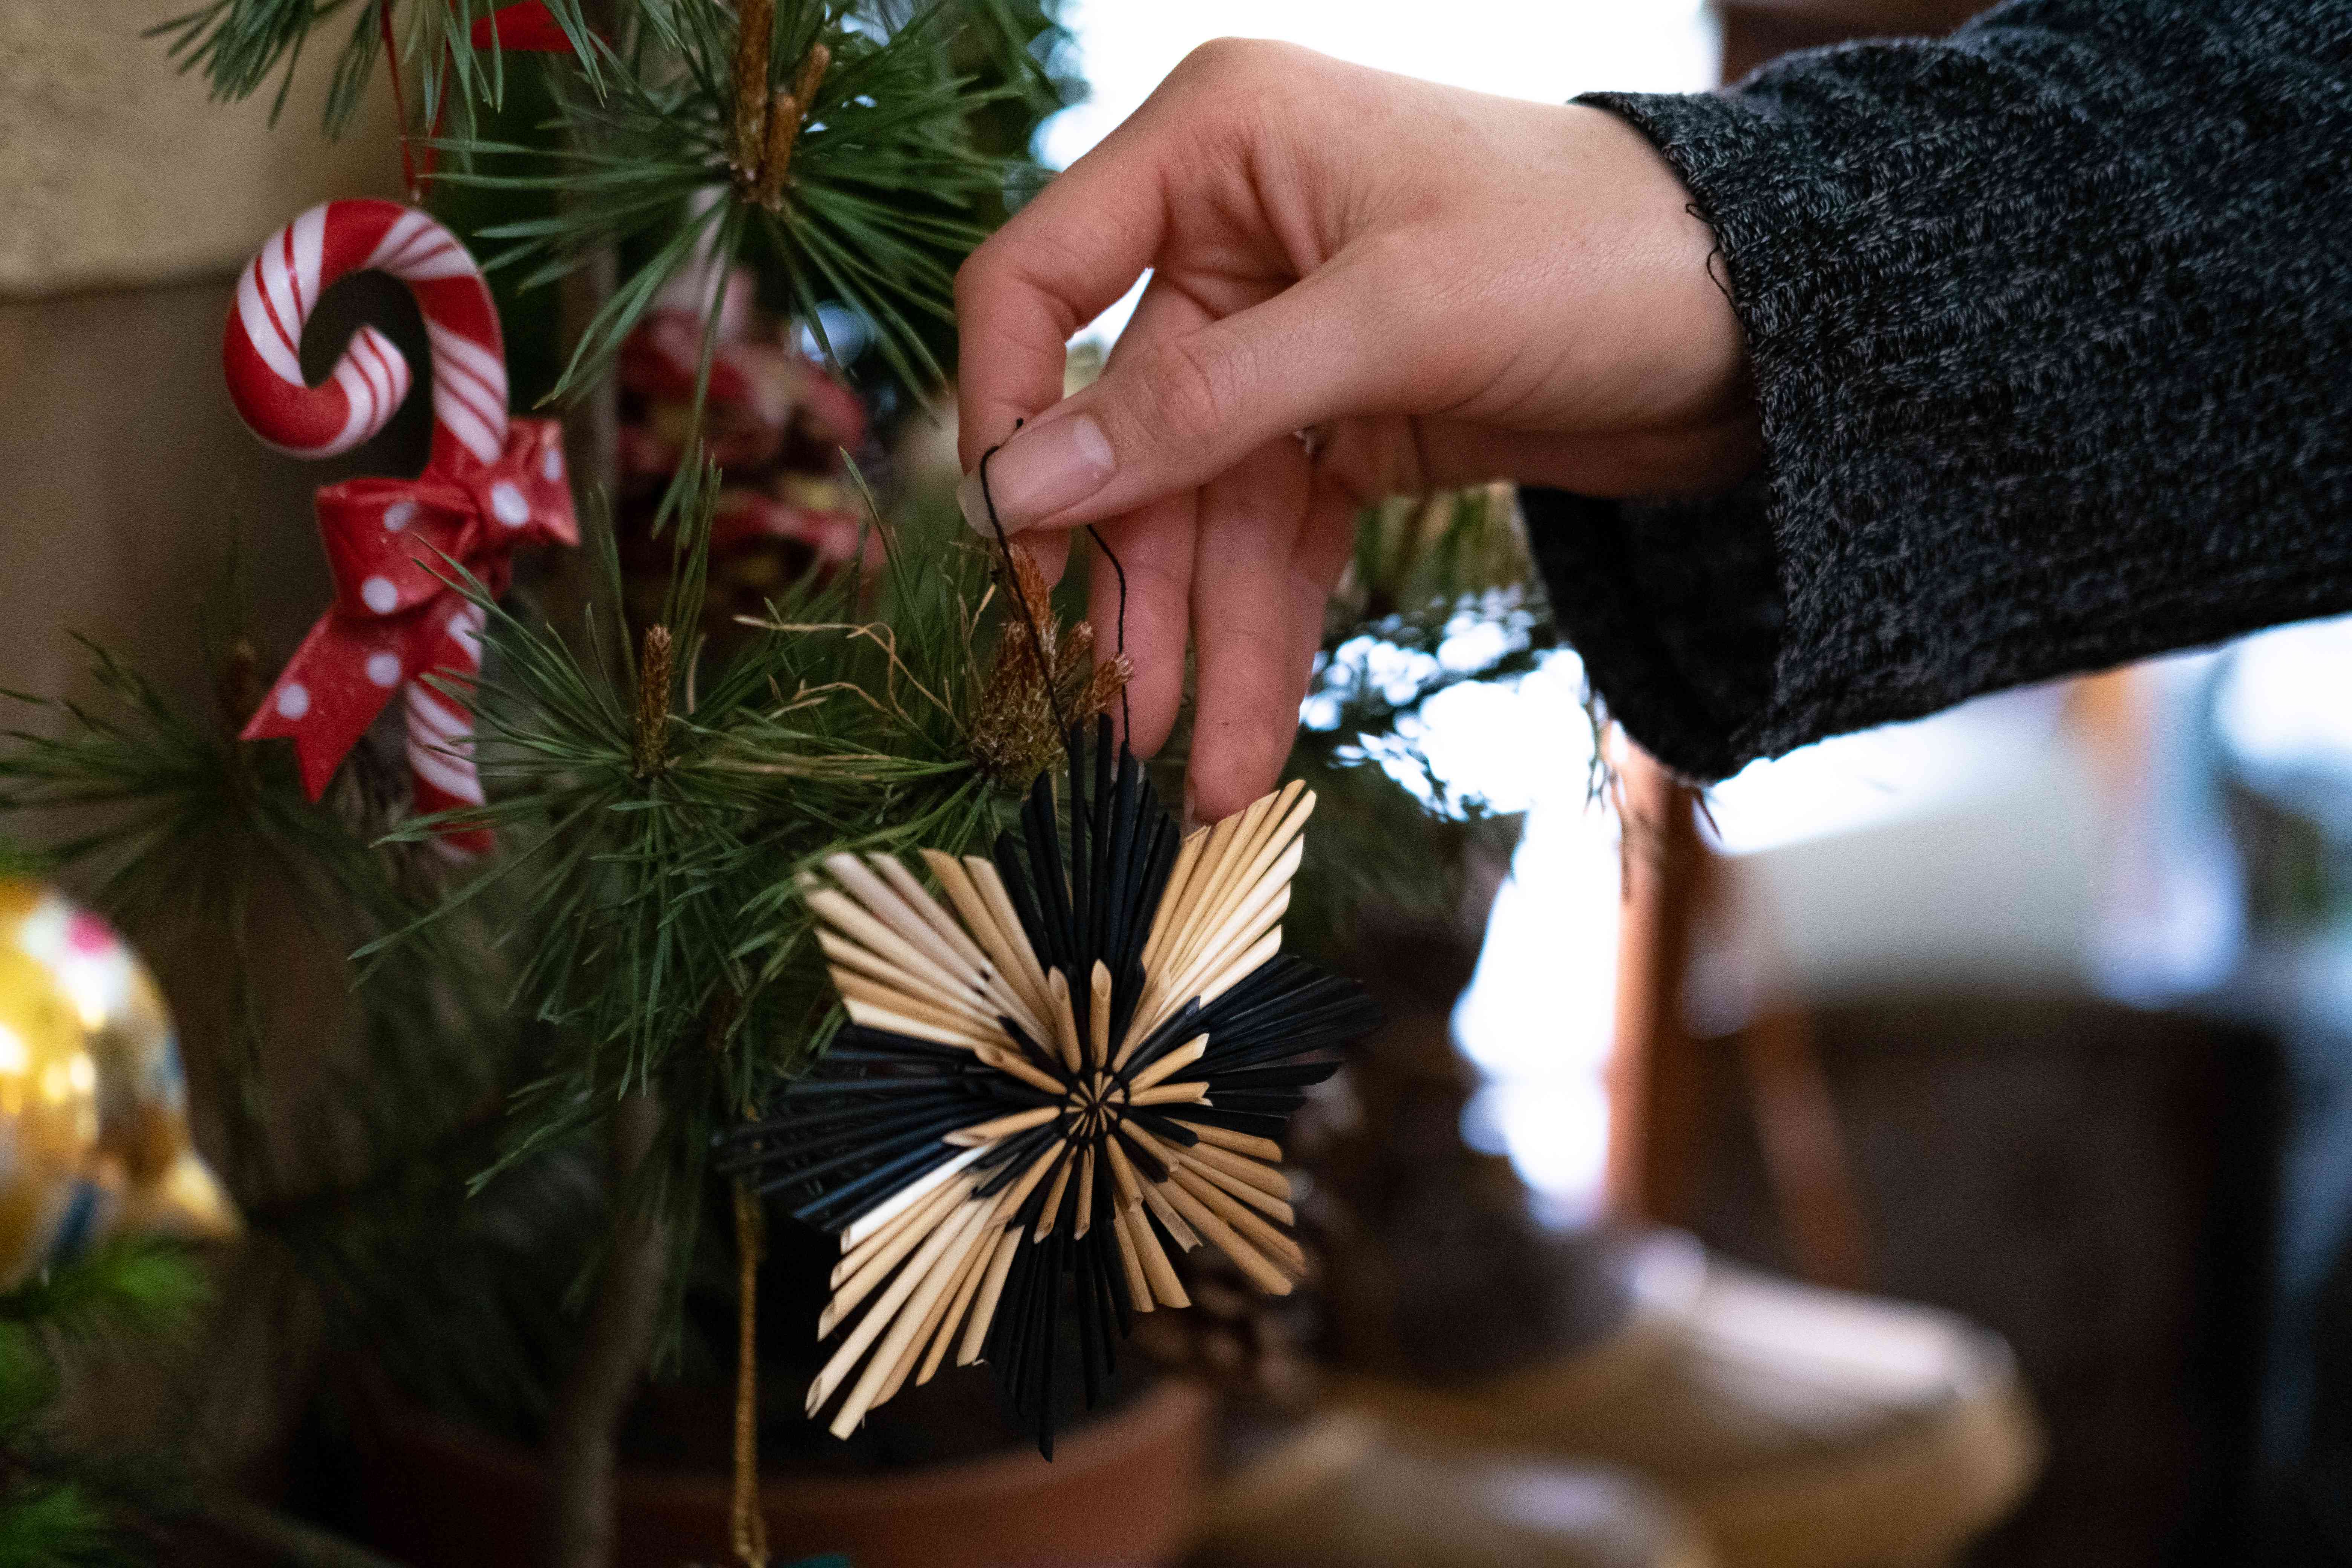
x: 491, y: 484
x: 279, y: 290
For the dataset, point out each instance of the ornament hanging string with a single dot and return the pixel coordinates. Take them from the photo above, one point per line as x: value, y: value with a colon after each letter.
x: 408, y: 178
x: 525, y: 27
x: 1029, y: 615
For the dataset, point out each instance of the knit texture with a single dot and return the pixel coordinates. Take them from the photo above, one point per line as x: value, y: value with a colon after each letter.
x: 2050, y: 326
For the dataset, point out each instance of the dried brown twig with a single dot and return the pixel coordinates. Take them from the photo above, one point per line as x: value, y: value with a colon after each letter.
x: 767, y: 124
x: 1042, y: 677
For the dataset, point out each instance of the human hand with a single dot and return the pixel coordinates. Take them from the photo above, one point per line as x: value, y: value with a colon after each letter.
x: 1446, y: 287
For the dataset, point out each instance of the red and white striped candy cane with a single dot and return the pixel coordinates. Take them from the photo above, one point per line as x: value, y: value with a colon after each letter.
x: 277, y: 292
x: 471, y: 437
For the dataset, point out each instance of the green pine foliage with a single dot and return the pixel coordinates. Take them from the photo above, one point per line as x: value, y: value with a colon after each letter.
x: 884, y: 184
x: 52, y: 1515
x: 177, y: 832
x: 239, y: 46
x: 58, y: 1524
x: 656, y: 807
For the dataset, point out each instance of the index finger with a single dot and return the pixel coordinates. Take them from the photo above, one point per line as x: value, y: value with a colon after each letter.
x: 1060, y: 261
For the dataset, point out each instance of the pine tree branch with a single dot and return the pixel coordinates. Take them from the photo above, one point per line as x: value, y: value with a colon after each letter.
x: 858, y: 164
x: 748, y: 1521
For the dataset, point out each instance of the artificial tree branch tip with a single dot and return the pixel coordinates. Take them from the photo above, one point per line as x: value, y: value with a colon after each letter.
x: 813, y: 65
x: 651, y: 738
x: 784, y: 130
x: 755, y: 26
x: 785, y: 113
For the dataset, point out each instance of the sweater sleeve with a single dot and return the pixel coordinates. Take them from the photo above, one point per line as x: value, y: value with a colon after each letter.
x: 2050, y: 328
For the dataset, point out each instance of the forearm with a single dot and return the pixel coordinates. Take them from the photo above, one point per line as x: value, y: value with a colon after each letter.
x: 2047, y: 324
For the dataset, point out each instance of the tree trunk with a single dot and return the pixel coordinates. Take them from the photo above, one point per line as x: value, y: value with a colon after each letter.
x: 613, y: 1354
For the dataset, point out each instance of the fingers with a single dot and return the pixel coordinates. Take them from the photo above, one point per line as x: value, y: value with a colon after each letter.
x: 1051, y: 556
x: 1190, y: 406
x: 1063, y: 260
x: 1154, y: 549
x: 1068, y: 254
x: 1243, y: 612
x: 1326, y: 538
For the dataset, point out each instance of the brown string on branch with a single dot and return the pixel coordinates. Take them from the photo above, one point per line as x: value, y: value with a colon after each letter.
x: 750, y: 1524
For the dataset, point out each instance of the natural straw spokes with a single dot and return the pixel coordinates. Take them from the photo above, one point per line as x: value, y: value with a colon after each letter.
x: 1069, y: 1065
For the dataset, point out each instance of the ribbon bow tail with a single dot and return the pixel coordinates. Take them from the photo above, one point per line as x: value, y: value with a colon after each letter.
x: 395, y: 623
x: 329, y: 692
x: 441, y: 727
x: 398, y: 625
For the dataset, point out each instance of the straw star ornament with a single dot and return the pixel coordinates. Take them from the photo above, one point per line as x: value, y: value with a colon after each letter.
x: 1075, y: 1062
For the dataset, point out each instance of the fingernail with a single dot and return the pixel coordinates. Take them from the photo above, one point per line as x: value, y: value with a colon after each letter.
x: 1191, y: 819
x: 1037, y: 473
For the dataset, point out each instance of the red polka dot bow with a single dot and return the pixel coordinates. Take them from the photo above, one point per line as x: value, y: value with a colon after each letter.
x: 392, y: 545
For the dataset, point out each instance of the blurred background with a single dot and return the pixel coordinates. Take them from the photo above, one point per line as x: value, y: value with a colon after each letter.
x: 2037, y: 1012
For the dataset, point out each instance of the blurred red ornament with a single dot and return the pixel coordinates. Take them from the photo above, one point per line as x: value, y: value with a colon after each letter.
x: 768, y: 404
x: 775, y: 422
x: 526, y: 28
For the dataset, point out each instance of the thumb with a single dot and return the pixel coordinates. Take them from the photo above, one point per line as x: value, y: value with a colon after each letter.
x: 1183, y: 410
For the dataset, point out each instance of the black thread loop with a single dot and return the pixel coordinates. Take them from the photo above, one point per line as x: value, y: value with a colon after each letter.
x: 1029, y: 614
x: 1126, y: 716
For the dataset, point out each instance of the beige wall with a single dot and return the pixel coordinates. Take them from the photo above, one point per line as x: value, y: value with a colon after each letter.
x: 115, y: 169
x: 127, y: 201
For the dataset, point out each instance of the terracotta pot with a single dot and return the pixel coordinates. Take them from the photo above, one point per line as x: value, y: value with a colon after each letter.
x: 1120, y: 1491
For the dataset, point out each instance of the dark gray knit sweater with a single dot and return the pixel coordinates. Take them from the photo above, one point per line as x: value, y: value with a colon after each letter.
x: 2051, y: 334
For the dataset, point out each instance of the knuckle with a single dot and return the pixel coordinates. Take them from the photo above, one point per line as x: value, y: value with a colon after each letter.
x: 1184, y: 396
x: 1394, y: 272
x: 1223, y: 60
x: 977, y: 271
x: 1231, y: 78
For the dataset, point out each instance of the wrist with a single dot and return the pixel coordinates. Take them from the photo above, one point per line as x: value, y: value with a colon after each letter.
x: 1658, y: 308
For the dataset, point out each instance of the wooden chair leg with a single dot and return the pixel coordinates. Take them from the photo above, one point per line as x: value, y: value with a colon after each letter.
x: 1655, y: 1095
x: 1804, y: 1157
x: 1657, y: 1110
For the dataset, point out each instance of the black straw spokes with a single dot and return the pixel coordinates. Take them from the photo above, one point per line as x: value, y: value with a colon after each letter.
x: 1080, y: 1052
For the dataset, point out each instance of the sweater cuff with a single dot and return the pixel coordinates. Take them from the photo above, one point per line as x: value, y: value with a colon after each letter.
x: 1674, y: 609
x: 1733, y: 620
